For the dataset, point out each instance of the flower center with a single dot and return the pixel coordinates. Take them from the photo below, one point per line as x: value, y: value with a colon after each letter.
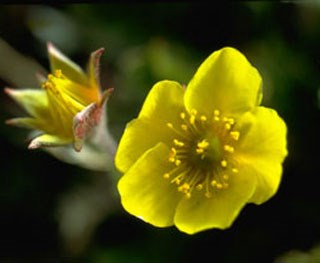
x: 201, y: 151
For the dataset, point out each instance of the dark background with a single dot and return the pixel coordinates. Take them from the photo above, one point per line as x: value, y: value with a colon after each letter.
x: 145, y: 43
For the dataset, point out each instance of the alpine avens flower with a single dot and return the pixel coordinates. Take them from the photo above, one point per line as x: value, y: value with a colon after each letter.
x: 68, y: 105
x: 196, y: 156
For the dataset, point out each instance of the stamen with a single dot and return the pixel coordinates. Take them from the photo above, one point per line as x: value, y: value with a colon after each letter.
x: 225, y: 177
x: 184, y: 127
x: 184, y: 188
x: 235, y: 170
x: 192, y: 119
x: 228, y: 148
x: 194, y: 112
x: 166, y: 176
x: 224, y: 163
x: 182, y: 115
x: 58, y: 73
x: 178, y: 143
x: 170, y: 125
x: 216, y: 118
x: 183, y: 135
x: 203, y: 144
x: 219, y: 186
x: 203, y: 118
x: 235, y: 135
x: 213, y: 183
x: 227, y: 126
x: 172, y: 155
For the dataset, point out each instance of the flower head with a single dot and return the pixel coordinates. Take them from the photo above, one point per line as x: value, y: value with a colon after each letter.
x: 194, y: 157
x: 67, y: 107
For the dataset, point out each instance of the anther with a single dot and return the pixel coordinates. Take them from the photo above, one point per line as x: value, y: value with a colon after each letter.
x: 199, y: 150
x: 213, y: 183
x: 235, y: 170
x: 235, y: 135
x: 166, y: 176
x: 227, y: 126
x: 216, y: 112
x: 219, y: 186
x: 231, y: 121
x: 178, y: 143
x: 170, y: 125
x: 216, y: 118
x: 225, y: 177
x: 177, y: 162
x: 192, y: 119
x: 203, y: 144
x: 199, y: 187
x: 193, y: 112
x: 184, y: 188
x: 224, y: 163
x: 184, y: 127
x: 58, y: 73
x: 228, y: 148
x: 50, y: 77
x: 203, y: 118
x: 182, y: 115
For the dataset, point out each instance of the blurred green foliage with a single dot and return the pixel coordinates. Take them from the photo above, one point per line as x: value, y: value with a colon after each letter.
x: 147, y: 42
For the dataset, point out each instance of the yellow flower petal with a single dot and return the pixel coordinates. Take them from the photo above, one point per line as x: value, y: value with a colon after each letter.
x: 61, y: 62
x: 33, y: 101
x: 162, y: 106
x: 145, y: 193
x: 262, y: 149
x: 220, y: 210
x: 163, y: 101
x: 225, y: 81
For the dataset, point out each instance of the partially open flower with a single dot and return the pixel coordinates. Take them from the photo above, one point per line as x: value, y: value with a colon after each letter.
x: 194, y: 157
x: 69, y: 105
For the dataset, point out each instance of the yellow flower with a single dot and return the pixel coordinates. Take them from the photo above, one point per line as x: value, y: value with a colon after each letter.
x: 194, y: 157
x: 67, y: 107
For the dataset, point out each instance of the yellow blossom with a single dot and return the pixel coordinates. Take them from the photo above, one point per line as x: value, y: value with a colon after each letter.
x: 194, y: 157
x: 67, y: 107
